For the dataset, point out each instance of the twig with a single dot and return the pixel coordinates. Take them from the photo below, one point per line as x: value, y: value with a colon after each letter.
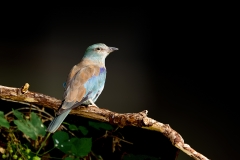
x: 128, y: 119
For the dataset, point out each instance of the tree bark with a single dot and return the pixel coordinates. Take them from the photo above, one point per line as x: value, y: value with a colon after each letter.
x: 23, y: 95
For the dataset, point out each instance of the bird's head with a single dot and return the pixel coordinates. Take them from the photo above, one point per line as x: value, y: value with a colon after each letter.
x: 98, y: 51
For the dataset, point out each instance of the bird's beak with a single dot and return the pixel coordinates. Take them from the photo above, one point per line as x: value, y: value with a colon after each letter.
x: 111, y: 49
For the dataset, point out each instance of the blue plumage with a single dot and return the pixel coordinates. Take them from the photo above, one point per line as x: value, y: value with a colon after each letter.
x: 95, y: 85
x: 85, y: 82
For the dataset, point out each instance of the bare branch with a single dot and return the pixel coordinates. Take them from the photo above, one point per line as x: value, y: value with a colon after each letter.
x: 22, y: 95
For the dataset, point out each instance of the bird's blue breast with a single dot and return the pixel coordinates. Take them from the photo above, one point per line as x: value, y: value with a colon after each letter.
x: 95, y: 85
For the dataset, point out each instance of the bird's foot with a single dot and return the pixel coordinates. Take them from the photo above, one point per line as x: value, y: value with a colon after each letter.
x: 93, y: 106
x: 92, y: 103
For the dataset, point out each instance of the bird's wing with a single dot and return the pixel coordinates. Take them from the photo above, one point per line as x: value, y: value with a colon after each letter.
x: 72, y: 73
x: 79, y: 86
x: 77, y: 89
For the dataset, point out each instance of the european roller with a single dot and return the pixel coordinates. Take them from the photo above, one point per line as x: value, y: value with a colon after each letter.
x: 85, y: 82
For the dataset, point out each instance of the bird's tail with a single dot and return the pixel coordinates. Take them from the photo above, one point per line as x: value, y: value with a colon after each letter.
x: 57, y: 121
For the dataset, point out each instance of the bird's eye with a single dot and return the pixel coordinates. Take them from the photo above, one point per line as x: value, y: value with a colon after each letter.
x: 98, y: 49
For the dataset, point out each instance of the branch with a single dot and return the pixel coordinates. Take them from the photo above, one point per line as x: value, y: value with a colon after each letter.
x: 22, y: 95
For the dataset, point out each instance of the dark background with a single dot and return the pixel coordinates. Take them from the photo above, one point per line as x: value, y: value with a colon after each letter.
x: 178, y: 63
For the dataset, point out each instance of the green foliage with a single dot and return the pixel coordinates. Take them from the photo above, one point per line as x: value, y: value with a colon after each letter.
x: 18, y: 114
x: 32, y: 128
x: 71, y: 158
x: 73, y: 127
x: 73, y: 147
x: 83, y: 129
x: 100, y: 125
x: 79, y: 147
x: 60, y: 137
x: 3, y: 121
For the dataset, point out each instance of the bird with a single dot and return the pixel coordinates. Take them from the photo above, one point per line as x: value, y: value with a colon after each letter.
x: 85, y: 82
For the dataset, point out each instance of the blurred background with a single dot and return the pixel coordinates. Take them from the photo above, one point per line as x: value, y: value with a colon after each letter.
x: 176, y: 63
